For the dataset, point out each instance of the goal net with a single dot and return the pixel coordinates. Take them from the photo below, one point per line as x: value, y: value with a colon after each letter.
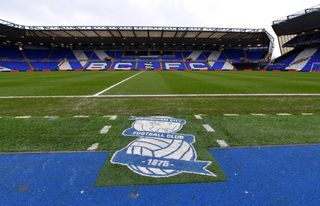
x: 315, y: 67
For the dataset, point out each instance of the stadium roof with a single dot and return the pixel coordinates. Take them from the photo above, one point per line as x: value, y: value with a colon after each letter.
x: 303, y: 21
x: 134, y: 36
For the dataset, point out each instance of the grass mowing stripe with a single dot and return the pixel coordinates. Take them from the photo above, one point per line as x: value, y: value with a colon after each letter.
x: 84, y: 83
x: 219, y: 83
x: 57, y: 83
x: 269, y: 130
x: 158, y: 106
x: 72, y: 134
x: 63, y: 134
x: 112, y: 86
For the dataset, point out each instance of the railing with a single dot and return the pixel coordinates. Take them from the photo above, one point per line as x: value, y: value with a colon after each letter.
x: 300, y: 13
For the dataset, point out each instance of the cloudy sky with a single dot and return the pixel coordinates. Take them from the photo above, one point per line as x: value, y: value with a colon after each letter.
x: 206, y: 13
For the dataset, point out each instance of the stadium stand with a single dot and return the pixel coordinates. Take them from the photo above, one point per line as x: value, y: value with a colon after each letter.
x: 24, y: 48
x: 298, y: 61
x: 46, y: 59
x: 300, y: 35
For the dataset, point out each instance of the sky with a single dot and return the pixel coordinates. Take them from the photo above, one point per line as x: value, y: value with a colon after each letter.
x: 198, y: 13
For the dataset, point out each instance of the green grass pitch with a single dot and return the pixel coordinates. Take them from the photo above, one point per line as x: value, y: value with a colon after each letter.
x: 67, y: 133
x: 89, y: 83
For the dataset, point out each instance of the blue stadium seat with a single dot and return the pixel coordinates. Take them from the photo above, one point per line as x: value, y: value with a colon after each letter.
x: 281, y: 64
x: 173, y: 66
x: 59, y: 54
x: 198, y: 66
x: 13, y: 54
x: 149, y: 65
x: 172, y: 56
x: 91, y: 55
x: 255, y: 55
x: 15, y: 65
x: 75, y: 65
x: 315, y: 59
x: 40, y: 66
x: 123, y: 65
x: 194, y: 55
x: 67, y: 59
x: 37, y: 54
x: 218, y: 65
x: 234, y: 54
x: 97, y: 66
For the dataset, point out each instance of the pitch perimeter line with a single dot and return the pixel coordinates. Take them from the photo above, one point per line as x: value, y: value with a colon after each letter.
x: 161, y: 95
x: 103, y: 91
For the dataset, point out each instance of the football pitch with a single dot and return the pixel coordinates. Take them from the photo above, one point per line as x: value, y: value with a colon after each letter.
x: 156, y: 83
x: 66, y: 111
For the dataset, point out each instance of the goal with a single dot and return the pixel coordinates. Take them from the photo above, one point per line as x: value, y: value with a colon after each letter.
x: 315, y: 67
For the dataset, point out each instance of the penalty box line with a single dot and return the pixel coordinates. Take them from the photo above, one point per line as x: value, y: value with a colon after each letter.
x: 107, y: 89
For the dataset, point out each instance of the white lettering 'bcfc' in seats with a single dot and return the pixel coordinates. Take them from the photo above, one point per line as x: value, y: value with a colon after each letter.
x: 97, y: 66
x: 198, y: 66
x: 123, y: 66
x: 169, y: 66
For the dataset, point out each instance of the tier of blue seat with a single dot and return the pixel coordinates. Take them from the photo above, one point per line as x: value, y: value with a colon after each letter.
x: 314, y: 60
x: 283, y: 62
x: 50, y: 59
x: 304, y: 40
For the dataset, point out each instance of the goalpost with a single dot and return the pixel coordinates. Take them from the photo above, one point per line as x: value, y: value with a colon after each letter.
x: 315, y: 67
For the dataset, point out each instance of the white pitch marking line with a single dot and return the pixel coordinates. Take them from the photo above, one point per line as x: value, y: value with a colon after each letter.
x: 307, y: 114
x: 222, y: 143
x: 51, y: 117
x: 93, y: 147
x: 283, y: 114
x: 105, y: 129
x: 160, y: 95
x: 103, y: 91
x: 208, y: 128
x: 111, y: 117
x: 231, y: 115
x: 198, y: 116
x: 23, y: 117
x: 253, y: 114
x: 81, y: 116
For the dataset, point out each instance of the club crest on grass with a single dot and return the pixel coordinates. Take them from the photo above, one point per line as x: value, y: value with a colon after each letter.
x: 160, y: 151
